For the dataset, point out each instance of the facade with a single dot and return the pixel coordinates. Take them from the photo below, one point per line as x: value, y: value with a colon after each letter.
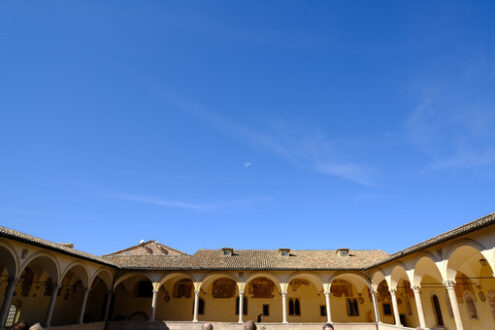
x: 445, y: 282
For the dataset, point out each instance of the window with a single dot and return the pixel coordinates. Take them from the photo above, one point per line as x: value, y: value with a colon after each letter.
x: 352, y: 307
x: 183, y: 288
x: 294, y: 307
x: 12, y: 316
x: 201, y: 306
x: 27, y: 281
x: 143, y: 289
x: 266, y: 310
x: 323, y: 310
x: 244, y: 306
x: 387, y: 309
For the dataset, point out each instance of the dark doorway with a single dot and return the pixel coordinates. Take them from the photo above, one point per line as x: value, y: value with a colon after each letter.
x: 438, y: 311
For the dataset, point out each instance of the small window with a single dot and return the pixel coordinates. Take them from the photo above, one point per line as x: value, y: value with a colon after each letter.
x: 266, y: 310
x: 352, y: 307
x: 323, y: 310
x: 12, y: 316
x: 244, y: 306
x: 294, y: 307
x: 387, y: 309
x: 143, y: 289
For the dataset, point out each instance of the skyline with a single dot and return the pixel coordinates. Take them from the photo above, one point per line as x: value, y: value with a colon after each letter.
x: 308, y: 126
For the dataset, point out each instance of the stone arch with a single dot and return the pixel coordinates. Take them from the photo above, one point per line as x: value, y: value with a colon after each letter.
x: 398, y: 272
x: 272, y: 277
x: 105, y: 275
x: 46, y: 262
x: 315, y: 280
x: 377, y: 277
x: 171, y: 276
x: 426, y: 265
x: 358, y: 280
x: 464, y: 242
x: 127, y: 276
x: 9, y: 260
x: 209, y: 278
x: 80, y: 270
x: 461, y: 253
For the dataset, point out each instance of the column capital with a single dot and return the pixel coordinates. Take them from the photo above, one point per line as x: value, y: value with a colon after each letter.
x: 326, y: 293
x: 449, y: 285
x: 283, y: 293
x: 392, y: 291
x: 416, y: 288
x: 13, y: 280
x: 241, y: 293
x: 156, y: 291
x: 196, y: 292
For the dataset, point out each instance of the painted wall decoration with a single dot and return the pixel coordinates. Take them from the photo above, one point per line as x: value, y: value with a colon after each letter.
x: 223, y: 288
x: 261, y: 287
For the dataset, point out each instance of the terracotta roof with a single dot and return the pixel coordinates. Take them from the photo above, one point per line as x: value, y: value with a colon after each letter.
x: 254, y: 260
x: 61, y: 248
x: 482, y: 222
x: 146, y: 243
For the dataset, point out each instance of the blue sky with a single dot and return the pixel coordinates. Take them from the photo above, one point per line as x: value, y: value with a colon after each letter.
x: 309, y: 125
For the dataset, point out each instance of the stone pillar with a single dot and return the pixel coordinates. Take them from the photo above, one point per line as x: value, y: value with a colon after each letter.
x: 375, y: 307
x: 51, y: 306
x: 7, y: 300
x: 327, y: 303
x: 83, y: 306
x: 153, y: 305
x: 107, y: 306
x: 241, y: 305
x: 196, y: 304
x: 419, y: 306
x: 450, y: 285
x: 396, y: 307
x: 284, y: 306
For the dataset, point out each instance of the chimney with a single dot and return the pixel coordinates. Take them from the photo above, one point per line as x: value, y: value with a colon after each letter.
x: 66, y: 245
x: 343, y: 252
x: 228, y: 252
x: 284, y: 252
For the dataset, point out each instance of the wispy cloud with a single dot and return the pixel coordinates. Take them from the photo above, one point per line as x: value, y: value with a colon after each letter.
x: 240, y: 203
x: 453, y: 135
x: 48, y: 214
x: 313, y: 151
x: 350, y: 172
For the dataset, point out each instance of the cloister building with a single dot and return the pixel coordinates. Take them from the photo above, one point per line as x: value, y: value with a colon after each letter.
x: 444, y: 282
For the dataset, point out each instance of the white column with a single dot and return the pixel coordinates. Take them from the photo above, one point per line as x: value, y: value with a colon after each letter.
x: 51, y: 306
x: 419, y: 306
x: 241, y: 305
x: 153, y: 305
x: 284, y: 306
x: 83, y: 306
x: 107, y: 307
x: 327, y: 303
x: 7, y: 300
x: 396, y: 307
x: 196, y: 303
x: 450, y: 285
x: 375, y: 307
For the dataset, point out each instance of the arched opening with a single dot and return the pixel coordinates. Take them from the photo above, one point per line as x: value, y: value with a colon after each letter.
x: 220, y: 295
x: 97, y: 301
x: 132, y: 300
x: 33, y: 291
x: 12, y: 315
x: 305, y: 300
x: 70, y: 296
x: 473, y: 278
x: 264, y: 299
x: 350, y: 299
x: 384, y: 301
x: 434, y: 298
x: 175, y: 301
x: 8, y: 269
